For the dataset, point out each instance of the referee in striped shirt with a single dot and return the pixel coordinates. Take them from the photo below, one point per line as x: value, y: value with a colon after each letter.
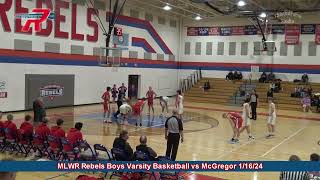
x: 294, y: 175
x: 173, y: 134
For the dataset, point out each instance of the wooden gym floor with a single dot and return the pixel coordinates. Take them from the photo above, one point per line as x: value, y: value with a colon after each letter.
x: 206, y: 137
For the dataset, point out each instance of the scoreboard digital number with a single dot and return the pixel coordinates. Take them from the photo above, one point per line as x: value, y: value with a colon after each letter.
x: 117, y: 31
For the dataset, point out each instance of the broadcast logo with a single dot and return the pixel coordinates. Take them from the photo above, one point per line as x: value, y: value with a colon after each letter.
x: 36, y: 17
x: 51, y: 91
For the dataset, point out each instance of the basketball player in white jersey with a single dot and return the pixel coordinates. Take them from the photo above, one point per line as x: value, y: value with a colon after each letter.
x: 164, y: 101
x: 271, y: 118
x: 246, y: 118
x: 179, y: 104
x: 125, y: 110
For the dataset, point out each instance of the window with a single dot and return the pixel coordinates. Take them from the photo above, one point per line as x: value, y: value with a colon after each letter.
x: 134, y: 13
x: 52, y: 47
x: 20, y: 44
x: 187, y: 47
x: 148, y: 17
x: 257, y: 48
x: 161, y: 20
x: 147, y: 55
x: 99, y: 5
x: 232, y: 48
x: 220, y: 50
x: 283, y: 49
x: 75, y: 49
x: 160, y: 56
x: 312, y: 50
x: 298, y: 49
x: 209, y: 48
x: 270, y: 47
x: 133, y: 54
x: 198, y: 48
x: 244, y: 48
x: 173, y: 23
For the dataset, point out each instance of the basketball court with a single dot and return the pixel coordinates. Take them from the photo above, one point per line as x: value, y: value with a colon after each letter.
x: 169, y: 46
x: 206, y: 137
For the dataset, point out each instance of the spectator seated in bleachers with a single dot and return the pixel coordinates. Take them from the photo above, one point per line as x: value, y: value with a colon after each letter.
x: 263, y: 78
x: 120, y: 143
x: 145, y: 149
x: 277, y: 86
x: 272, y: 86
x: 317, y: 101
x: 297, y: 92
x: 309, y: 91
x: 271, y: 77
x: 240, y: 76
x: 306, y: 103
x: 206, y: 86
x: 237, y: 75
x: 269, y: 94
x: 230, y: 76
x: 305, y: 78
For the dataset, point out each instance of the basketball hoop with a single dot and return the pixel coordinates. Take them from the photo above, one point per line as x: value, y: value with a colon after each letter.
x: 111, y: 56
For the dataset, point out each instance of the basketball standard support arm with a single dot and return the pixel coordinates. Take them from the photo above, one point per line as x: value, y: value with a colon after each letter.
x: 113, y: 16
x: 262, y: 32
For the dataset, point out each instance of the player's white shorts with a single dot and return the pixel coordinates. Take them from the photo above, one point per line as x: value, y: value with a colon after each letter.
x: 272, y: 119
x: 124, y: 109
x: 180, y: 110
x: 246, y: 121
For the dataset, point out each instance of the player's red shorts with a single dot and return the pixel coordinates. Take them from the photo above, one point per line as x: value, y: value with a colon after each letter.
x: 150, y: 102
x: 237, y: 120
x: 106, y: 107
x: 136, y: 110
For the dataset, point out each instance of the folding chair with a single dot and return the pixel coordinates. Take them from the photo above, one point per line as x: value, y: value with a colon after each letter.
x: 118, y: 155
x: 10, y: 141
x: 141, y: 156
x: 86, y: 151
x: 73, y: 154
x: 2, y: 138
x: 102, y: 153
x: 25, y: 143
x: 40, y: 144
x: 53, y: 152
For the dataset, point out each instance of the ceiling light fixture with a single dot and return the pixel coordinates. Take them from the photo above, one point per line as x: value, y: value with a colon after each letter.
x: 263, y: 15
x: 167, y: 7
x: 241, y: 3
x: 198, y: 17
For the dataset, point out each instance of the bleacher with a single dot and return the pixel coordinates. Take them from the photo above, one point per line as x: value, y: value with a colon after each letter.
x: 283, y: 99
x: 224, y: 92
x: 220, y: 93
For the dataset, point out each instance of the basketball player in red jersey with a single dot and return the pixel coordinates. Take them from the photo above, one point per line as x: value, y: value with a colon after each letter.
x: 137, y: 110
x: 236, y: 121
x: 106, y: 105
x: 150, y: 96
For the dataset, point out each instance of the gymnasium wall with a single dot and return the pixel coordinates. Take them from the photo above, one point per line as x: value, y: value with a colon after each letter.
x: 287, y: 67
x: 70, y: 45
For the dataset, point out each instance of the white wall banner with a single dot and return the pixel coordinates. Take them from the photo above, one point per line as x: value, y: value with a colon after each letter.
x: 3, y: 87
